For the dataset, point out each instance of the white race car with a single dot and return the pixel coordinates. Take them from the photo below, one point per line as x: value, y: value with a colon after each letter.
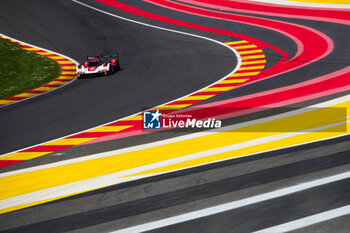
x: 99, y: 65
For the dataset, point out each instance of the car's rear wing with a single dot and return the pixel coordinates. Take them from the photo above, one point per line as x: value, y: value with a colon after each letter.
x: 102, y: 57
x: 112, y: 56
x: 92, y: 57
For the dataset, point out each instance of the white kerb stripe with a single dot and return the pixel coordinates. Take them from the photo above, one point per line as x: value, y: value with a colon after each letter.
x: 308, y: 221
x: 233, y: 205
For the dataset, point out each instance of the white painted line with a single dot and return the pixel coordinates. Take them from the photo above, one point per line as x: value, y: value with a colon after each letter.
x: 308, y: 221
x: 233, y: 205
x: 68, y: 58
x: 180, y: 138
x: 239, y: 62
x: 305, y: 4
x: 118, y: 177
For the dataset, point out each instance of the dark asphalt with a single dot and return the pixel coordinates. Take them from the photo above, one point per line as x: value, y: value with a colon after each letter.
x: 90, y: 102
x: 157, y: 66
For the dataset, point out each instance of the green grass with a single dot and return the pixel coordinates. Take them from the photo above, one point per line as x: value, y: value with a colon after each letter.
x: 22, y: 70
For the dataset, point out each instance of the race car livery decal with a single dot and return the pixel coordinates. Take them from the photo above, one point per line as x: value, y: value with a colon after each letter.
x: 99, y: 65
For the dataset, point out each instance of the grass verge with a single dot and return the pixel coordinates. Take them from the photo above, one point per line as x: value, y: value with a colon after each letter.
x: 22, y: 70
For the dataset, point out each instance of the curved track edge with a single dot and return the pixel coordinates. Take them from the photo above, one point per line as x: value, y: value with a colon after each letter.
x: 67, y: 74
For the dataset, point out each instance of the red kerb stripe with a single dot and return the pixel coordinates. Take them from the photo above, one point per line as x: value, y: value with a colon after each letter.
x: 4, y: 163
x: 15, y: 98
x: 50, y: 148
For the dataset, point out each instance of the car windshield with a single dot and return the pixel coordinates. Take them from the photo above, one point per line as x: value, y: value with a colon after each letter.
x: 95, y: 63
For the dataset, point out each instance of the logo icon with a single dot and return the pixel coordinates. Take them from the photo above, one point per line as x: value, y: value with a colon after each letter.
x: 151, y: 120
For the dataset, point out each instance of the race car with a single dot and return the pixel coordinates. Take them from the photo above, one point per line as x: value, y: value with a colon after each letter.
x: 98, y: 65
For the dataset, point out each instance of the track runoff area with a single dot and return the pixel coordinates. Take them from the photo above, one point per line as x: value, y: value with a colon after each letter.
x: 49, y: 182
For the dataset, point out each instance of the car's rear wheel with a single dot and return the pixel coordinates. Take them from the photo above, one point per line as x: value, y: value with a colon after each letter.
x: 118, y: 66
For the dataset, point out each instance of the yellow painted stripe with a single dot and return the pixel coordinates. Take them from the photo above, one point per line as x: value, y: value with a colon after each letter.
x: 68, y: 72
x: 252, y: 68
x: 66, y: 77
x: 174, y: 106
x: 260, y: 67
x: 237, y: 42
x: 217, y: 89
x: 181, y: 165
x: 31, y: 49
x: 110, y: 128
x: 58, y: 57
x: 44, y: 88
x: 7, y: 101
x: 69, y: 67
x: 250, y: 51
x: 57, y: 83
x: 254, y: 62
x: 65, y: 62
x: 197, y: 97
x: 25, y: 95
x: 245, y: 46
x: 23, y: 155
x: 295, y: 140
x: 244, y: 74
x: 253, y: 57
x: 241, y: 80
x: 37, y: 180
x: 44, y: 53
x: 69, y: 141
x: 133, y: 118
x: 246, y: 151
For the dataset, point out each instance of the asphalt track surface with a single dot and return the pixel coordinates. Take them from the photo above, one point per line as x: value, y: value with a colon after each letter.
x: 150, y: 199
x: 157, y: 67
